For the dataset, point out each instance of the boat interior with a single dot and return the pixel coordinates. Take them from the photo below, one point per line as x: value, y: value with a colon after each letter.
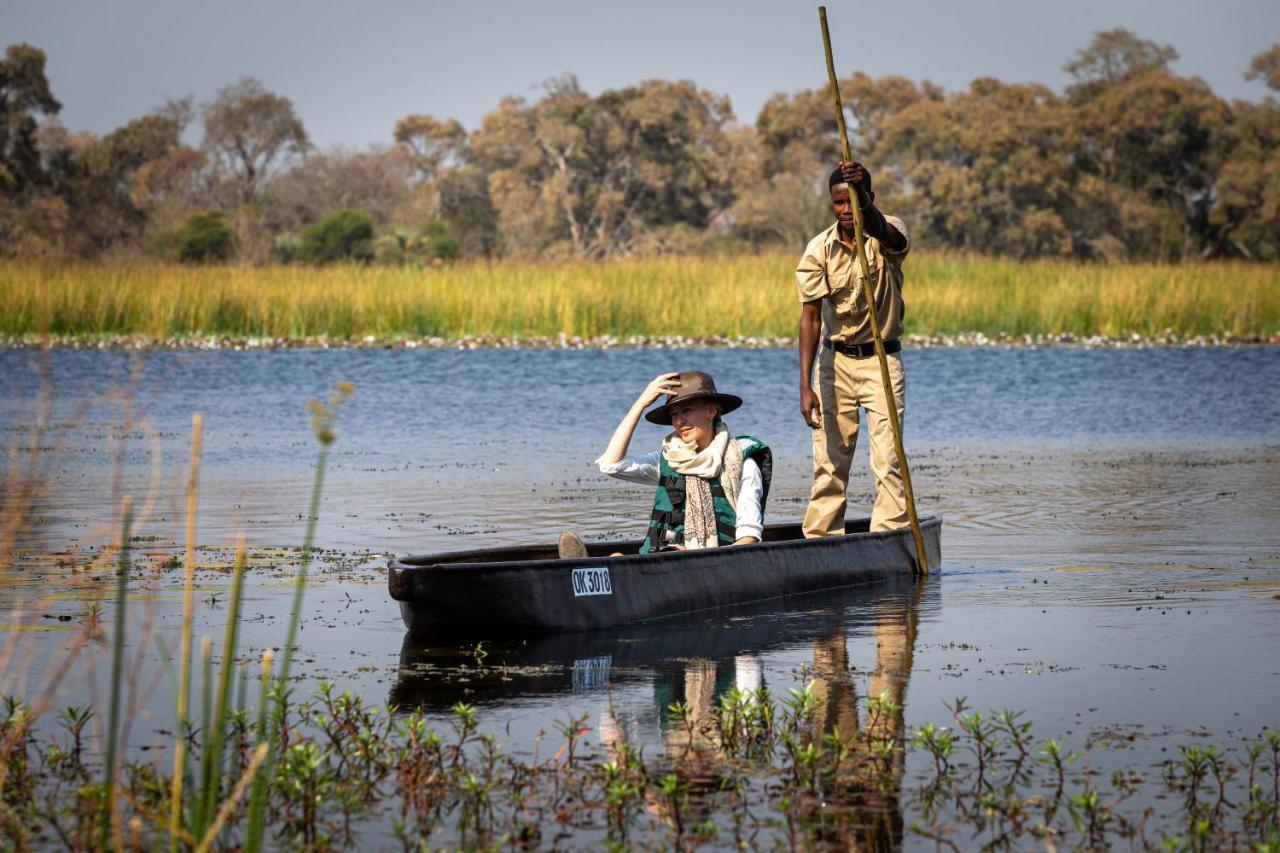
x: 523, y: 553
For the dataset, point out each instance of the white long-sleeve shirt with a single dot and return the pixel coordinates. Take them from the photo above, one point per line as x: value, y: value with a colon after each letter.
x: 645, y: 469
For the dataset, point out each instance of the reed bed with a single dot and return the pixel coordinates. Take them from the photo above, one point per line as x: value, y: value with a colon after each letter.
x: 738, y: 296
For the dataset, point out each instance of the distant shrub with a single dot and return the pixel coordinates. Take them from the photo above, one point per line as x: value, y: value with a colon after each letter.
x: 285, y: 249
x: 437, y: 243
x: 430, y: 244
x: 345, y: 235
x: 206, y: 237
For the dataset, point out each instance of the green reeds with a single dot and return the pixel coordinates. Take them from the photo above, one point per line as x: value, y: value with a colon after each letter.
x: 212, y: 762
x: 754, y: 297
x: 237, y: 794
x: 184, y: 654
x: 110, y: 821
x: 323, y: 415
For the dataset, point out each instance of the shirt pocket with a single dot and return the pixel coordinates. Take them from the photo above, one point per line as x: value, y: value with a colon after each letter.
x: 850, y: 299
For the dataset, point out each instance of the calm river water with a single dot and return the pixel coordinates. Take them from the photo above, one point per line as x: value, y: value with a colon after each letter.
x: 1111, y: 549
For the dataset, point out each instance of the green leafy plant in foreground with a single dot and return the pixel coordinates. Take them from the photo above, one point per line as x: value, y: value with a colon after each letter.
x: 349, y: 774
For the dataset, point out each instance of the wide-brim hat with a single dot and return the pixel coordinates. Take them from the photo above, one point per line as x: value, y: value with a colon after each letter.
x: 694, y: 385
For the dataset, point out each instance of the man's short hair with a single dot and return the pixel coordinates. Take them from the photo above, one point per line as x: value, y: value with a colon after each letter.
x: 837, y: 178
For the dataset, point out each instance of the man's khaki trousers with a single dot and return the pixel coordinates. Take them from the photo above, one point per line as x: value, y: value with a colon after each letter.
x: 844, y: 384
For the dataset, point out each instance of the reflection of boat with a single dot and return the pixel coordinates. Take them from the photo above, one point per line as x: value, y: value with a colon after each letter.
x: 556, y: 664
x: 693, y: 660
x: 528, y: 587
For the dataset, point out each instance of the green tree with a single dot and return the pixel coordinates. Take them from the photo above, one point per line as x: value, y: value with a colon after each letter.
x: 431, y: 143
x: 34, y: 214
x: 109, y: 202
x: 345, y: 235
x: 796, y: 144
x: 450, y: 188
x: 1245, y: 218
x: 1114, y: 57
x: 206, y: 237
x: 1266, y: 66
x: 1160, y: 138
x: 248, y: 131
x: 591, y: 177
x: 989, y: 169
x: 24, y: 94
x: 465, y: 206
x: 376, y: 180
x: 429, y: 244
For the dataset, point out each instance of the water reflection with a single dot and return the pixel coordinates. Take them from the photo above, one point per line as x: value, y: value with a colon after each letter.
x: 688, y: 667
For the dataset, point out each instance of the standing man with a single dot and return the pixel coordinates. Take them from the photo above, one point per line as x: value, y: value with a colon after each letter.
x: 834, y: 315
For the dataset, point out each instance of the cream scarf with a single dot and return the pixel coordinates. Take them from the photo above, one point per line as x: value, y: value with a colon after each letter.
x: 721, y: 458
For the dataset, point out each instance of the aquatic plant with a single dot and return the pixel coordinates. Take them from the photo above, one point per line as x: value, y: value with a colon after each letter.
x: 184, y: 647
x: 346, y: 768
x: 323, y: 416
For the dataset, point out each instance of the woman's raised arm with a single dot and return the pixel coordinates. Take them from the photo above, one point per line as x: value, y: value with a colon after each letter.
x: 666, y: 384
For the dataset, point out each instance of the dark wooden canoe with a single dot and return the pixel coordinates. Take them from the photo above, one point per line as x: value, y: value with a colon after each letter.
x: 554, y: 664
x: 507, y: 589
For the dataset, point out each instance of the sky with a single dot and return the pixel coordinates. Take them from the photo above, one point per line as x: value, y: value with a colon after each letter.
x: 352, y: 69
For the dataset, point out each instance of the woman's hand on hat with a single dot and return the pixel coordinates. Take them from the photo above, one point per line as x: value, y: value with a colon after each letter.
x: 662, y: 386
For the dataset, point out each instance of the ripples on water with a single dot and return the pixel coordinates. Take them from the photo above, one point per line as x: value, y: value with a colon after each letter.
x: 1111, y: 554
x: 441, y: 446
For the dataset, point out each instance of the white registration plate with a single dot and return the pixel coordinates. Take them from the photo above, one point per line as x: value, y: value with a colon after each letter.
x: 592, y: 582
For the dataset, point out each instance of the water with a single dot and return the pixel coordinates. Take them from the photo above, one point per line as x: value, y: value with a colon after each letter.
x: 1111, y: 553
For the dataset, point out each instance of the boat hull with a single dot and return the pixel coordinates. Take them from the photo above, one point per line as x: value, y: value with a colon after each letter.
x: 529, y: 589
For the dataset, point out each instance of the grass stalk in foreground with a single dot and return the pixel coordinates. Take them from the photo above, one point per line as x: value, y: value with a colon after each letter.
x: 255, y: 823
x: 323, y: 416
x: 211, y: 770
x: 110, y: 823
x: 184, y: 654
x: 237, y: 793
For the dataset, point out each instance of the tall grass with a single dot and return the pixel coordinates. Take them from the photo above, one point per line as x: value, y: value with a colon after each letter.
x: 203, y: 798
x: 742, y: 295
x: 110, y: 769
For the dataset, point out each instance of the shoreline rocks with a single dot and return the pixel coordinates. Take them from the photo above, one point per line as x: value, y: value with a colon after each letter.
x: 574, y: 342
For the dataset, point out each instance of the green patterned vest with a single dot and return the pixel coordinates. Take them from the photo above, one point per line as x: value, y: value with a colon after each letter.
x: 666, y: 524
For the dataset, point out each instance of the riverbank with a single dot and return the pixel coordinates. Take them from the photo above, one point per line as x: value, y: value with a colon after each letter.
x: 672, y: 301
x: 611, y: 342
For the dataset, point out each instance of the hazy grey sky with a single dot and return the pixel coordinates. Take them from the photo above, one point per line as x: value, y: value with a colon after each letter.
x: 352, y: 69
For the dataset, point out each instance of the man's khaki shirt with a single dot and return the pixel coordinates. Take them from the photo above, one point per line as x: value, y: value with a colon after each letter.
x: 829, y: 270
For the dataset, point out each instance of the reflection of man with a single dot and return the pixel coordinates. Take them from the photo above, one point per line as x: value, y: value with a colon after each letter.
x: 866, y: 797
x: 880, y: 824
x: 833, y: 687
x: 829, y: 281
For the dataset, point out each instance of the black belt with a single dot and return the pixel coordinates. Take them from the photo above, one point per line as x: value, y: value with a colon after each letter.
x: 862, y: 350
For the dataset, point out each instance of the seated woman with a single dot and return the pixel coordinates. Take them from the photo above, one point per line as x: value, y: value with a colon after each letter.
x: 712, y: 487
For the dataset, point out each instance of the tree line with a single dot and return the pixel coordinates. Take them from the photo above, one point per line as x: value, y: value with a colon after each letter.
x: 1130, y: 162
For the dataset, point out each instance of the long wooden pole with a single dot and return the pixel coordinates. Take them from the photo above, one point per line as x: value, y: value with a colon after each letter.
x: 922, y: 565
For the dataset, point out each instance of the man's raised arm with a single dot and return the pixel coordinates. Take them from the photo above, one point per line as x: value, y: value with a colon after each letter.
x: 873, y: 221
